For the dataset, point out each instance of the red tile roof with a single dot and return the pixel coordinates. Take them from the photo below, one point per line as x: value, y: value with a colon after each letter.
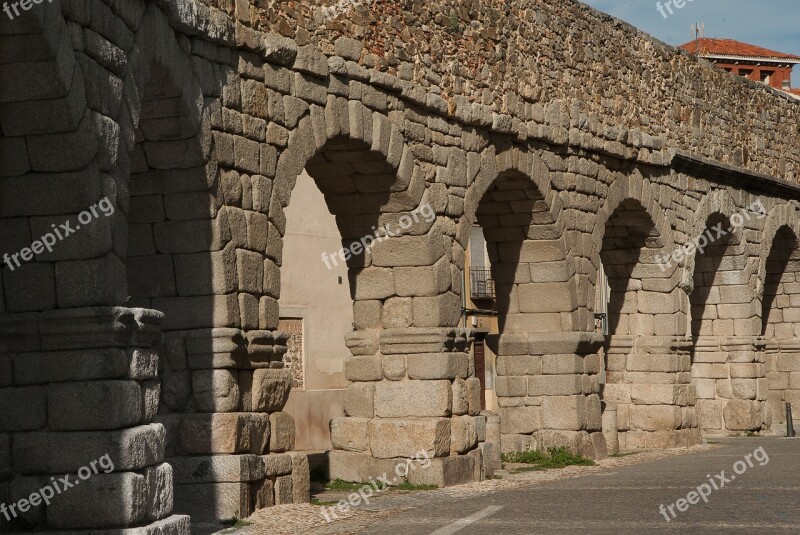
x: 729, y: 47
x: 795, y: 91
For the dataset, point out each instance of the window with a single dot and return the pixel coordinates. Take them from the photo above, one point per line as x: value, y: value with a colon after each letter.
x: 745, y: 72
x: 766, y: 76
x: 480, y: 275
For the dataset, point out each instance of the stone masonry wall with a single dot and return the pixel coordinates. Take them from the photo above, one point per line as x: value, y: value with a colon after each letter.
x: 556, y: 128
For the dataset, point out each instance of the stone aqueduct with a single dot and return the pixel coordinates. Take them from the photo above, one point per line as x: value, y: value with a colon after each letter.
x: 573, y: 139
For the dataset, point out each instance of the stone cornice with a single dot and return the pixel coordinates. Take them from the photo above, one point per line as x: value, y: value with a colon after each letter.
x: 733, y: 175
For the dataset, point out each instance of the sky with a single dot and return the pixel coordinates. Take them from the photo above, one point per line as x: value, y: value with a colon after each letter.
x: 773, y: 24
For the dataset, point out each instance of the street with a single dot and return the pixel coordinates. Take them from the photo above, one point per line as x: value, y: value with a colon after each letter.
x: 761, y: 499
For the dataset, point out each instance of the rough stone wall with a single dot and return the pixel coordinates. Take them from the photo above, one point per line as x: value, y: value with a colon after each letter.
x: 551, y: 125
x: 563, y: 70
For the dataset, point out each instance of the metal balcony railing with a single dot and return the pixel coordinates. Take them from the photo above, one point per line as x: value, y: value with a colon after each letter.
x: 481, y: 284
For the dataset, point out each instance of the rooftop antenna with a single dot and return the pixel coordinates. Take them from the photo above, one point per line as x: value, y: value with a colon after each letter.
x: 698, y: 31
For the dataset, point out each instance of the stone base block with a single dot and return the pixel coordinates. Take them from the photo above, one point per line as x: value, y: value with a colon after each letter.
x: 357, y: 467
x: 743, y: 415
x: 217, y: 469
x: 442, y: 471
x: 490, y: 459
x: 209, y: 502
x: 589, y: 445
x: 676, y: 438
x: 203, y: 434
x: 448, y: 471
x: 512, y: 442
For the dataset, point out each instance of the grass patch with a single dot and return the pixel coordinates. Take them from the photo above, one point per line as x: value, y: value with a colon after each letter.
x: 235, y: 522
x: 552, y: 458
x: 340, y: 484
x: 409, y: 486
x: 752, y: 434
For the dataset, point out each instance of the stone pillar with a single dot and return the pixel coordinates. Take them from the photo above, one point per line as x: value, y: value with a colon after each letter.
x: 782, y: 362
x: 413, y: 390
x: 610, y: 427
x: 649, y: 380
x: 548, y: 387
x: 78, y: 393
x: 232, y: 449
x: 729, y: 374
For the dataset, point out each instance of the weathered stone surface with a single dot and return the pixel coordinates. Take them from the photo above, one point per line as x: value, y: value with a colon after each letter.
x: 5, y: 456
x: 215, y: 391
x: 217, y: 469
x: 282, y: 434
x: 23, y: 409
x: 413, y: 398
x: 270, y: 389
x: 204, y: 434
x: 350, y: 434
x: 366, y: 368
x: 460, y: 397
x: 359, y: 400
x: 390, y: 438
x: 520, y: 420
x: 66, y: 402
x: 301, y: 478
x: 277, y: 464
x: 207, y: 502
x: 463, y: 434
x: 445, y: 472
x: 159, y: 481
x: 128, y: 449
x: 102, y: 501
x: 283, y: 490
x: 564, y: 412
x: 742, y: 415
x: 438, y: 366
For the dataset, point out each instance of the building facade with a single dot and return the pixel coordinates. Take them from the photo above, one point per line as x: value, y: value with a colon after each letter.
x: 749, y: 61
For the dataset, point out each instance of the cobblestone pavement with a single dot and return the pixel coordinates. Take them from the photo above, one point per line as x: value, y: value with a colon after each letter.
x: 390, y: 512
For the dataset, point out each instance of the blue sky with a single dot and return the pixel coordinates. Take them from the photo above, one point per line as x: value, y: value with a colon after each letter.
x: 772, y: 24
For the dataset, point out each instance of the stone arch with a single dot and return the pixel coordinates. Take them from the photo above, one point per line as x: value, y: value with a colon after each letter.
x: 779, y: 278
x: 644, y: 350
x: 632, y: 202
x: 778, y: 215
x: 717, y: 201
x: 540, y: 357
x: 637, y: 191
x: 369, y: 177
x: 50, y: 147
x: 81, y: 136
x: 725, y: 359
x: 520, y: 217
x: 720, y: 278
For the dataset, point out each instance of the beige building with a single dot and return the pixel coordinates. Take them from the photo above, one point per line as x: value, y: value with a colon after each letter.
x: 318, y: 313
